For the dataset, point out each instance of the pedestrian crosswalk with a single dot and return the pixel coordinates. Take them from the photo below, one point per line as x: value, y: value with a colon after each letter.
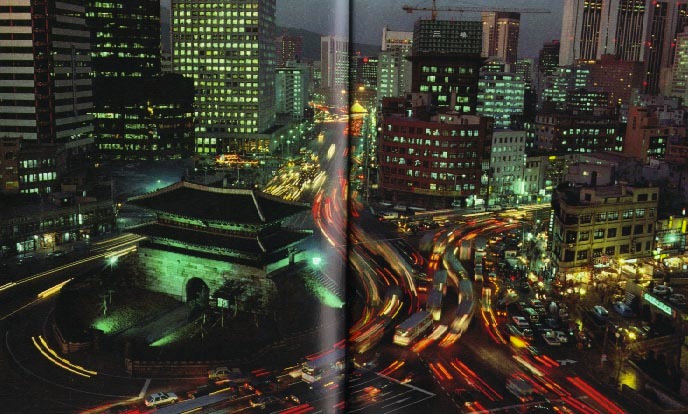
x: 628, y: 298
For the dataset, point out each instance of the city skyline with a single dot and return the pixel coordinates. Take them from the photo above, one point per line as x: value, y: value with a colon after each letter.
x: 536, y: 29
x: 434, y: 224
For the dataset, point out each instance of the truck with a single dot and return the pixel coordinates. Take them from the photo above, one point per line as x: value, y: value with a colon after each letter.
x: 520, y: 388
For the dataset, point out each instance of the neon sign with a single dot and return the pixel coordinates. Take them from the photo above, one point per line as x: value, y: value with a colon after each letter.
x: 659, y: 304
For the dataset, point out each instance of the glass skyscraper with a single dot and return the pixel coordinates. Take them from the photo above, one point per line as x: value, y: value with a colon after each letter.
x: 227, y: 47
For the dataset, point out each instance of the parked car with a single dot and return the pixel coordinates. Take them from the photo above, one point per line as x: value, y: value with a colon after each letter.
x: 561, y: 337
x: 551, y: 339
x: 623, y: 309
x: 600, y: 313
x: 224, y: 373
x: 161, y: 398
x: 520, y: 321
x: 523, y: 333
x: 678, y: 299
x: 662, y: 290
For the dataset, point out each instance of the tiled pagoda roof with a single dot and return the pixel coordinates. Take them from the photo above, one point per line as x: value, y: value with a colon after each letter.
x: 191, y: 200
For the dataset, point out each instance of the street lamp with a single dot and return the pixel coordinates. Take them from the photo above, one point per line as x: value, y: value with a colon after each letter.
x: 112, y: 261
x: 623, y: 355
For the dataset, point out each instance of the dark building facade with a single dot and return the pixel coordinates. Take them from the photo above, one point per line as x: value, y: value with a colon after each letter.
x: 567, y: 133
x: 146, y: 118
x: 29, y: 222
x: 451, y: 80
x: 620, y: 79
x: 548, y: 59
x: 447, y: 37
x: 125, y: 38
x: 446, y: 61
x: 138, y: 114
x: 288, y: 48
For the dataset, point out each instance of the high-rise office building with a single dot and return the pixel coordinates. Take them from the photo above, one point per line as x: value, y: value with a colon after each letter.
x: 621, y: 29
x: 524, y: 67
x: 580, y: 29
x: 394, y: 69
x: 632, y: 30
x: 288, y: 48
x: 446, y: 61
x: 446, y: 37
x: 433, y: 161
x: 666, y: 21
x: 364, y: 70
x: 548, y: 62
x: 144, y: 118
x: 500, y: 93
x: 508, y: 161
x: 45, y: 81
x: 228, y: 48
x: 138, y: 114
x: 125, y: 38
x: 679, y: 75
x: 292, y: 90
x: 562, y: 81
x: 620, y: 79
x: 548, y: 58
x: 394, y: 39
x: 592, y: 28
x: 334, y: 61
x: 500, y: 35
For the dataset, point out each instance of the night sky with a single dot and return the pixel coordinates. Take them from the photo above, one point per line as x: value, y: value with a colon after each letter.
x: 369, y: 16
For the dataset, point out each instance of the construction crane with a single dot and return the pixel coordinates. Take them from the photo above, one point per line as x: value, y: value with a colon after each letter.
x: 434, y: 9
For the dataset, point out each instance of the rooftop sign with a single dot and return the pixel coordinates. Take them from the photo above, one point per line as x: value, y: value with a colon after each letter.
x: 659, y: 304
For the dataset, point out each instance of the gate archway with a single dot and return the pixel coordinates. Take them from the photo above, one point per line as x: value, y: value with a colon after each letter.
x: 197, y: 291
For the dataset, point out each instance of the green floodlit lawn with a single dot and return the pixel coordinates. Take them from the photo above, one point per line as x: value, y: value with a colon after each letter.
x: 81, y: 307
x: 299, y: 306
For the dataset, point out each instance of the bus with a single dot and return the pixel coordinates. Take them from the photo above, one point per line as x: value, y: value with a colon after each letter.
x: 434, y: 304
x: 439, y: 281
x: 478, y: 273
x: 410, y: 329
x: 369, y: 336
x: 323, y: 366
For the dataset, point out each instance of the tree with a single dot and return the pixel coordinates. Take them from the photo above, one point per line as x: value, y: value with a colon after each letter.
x: 236, y: 291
